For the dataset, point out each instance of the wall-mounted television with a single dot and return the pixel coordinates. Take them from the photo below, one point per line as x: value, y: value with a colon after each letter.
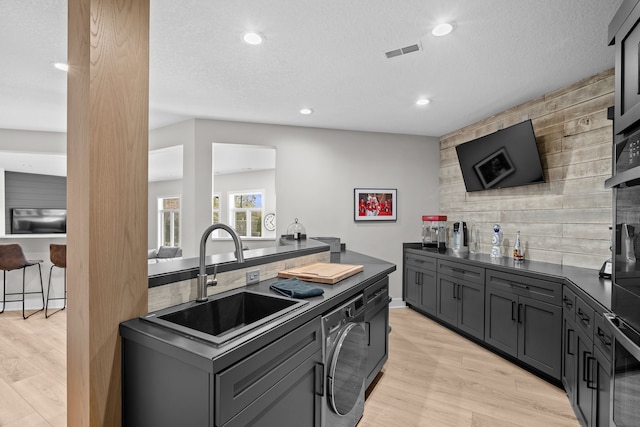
x: 506, y: 158
x: 38, y: 221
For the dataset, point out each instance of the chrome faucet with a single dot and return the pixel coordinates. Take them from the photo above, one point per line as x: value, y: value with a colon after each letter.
x: 203, y: 281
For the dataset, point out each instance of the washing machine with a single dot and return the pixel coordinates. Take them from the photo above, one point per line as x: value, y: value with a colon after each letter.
x: 345, y: 357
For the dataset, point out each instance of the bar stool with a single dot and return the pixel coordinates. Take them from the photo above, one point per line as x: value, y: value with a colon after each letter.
x: 58, y: 256
x: 12, y: 258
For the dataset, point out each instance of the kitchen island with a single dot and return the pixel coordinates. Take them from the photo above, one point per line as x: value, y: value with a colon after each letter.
x: 271, y: 372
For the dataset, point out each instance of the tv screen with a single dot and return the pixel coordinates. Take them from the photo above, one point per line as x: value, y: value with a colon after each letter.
x: 506, y: 158
x: 38, y: 221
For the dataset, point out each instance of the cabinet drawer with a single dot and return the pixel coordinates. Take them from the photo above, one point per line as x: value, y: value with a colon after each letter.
x: 374, y: 293
x: 541, y: 290
x: 461, y: 271
x: 244, y: 382
x: 584, y: 316
x: 569, y: 303
x: 420, y: 261
x: 602, y: 337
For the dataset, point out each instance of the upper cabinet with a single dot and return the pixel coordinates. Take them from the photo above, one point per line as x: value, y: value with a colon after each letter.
x: 624, y: 32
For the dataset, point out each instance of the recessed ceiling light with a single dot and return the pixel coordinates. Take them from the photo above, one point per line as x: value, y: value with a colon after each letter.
x: 442, y: 29
x: 423, y: 101
x: 61, y: 66
x: 306, y: 111
x: 253, y: 38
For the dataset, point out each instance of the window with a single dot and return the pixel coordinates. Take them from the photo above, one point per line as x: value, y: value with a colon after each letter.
x: 169, y: 221
x: 215, y: 208
x: 246, y: 212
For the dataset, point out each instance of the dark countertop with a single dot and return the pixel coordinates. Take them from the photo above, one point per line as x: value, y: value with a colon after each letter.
x: 177, y: 270
x: 210, y: 358
x: 584, y: 279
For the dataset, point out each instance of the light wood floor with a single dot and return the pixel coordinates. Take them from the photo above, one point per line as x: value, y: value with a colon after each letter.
x: 433, y: 378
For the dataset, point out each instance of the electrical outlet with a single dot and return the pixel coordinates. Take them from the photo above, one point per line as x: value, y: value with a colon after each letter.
x: 253, y: 276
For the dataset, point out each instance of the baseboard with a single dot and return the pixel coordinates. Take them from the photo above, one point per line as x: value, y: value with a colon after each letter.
x: 397, y: 303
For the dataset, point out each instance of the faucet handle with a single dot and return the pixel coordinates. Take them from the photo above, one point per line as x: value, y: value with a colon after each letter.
x: 213, y: 281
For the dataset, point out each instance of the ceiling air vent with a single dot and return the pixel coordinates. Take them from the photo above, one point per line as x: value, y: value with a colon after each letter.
x: 403, y: 51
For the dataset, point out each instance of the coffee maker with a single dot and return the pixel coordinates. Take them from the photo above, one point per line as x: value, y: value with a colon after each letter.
x: 460, y: 237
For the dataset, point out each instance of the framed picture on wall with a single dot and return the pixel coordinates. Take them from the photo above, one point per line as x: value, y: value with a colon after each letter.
x: 375, y: 204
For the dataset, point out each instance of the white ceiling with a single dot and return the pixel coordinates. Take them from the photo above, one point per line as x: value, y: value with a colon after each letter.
x: 325, y: 54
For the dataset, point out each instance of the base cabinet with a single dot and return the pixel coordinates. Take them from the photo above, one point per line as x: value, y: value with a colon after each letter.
x: 586, y: 360
x: 524, y: 319
x: 420, y: 282
x: 376, y: 319
x: 461, y: 304
x: 295, y: 400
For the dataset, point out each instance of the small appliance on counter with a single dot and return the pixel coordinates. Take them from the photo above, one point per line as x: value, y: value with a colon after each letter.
x: 434, y: 232
x: 460, y: 242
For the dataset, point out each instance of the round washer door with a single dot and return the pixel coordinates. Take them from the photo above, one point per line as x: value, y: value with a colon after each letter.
x: 347, y: 369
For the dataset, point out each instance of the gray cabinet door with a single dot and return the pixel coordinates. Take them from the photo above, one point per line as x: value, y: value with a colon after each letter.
x: 584, y: 392
x: 412, y: 293
x: 377, y: 325
x: 420, y: 289
x: 294, y: 401
x: 540, y: 335
x: 501, y: 327
x: 602, y: 373
x: 569, y: 357
x: 428, y: 299
x: 447, y: 300
x: 471, y: 308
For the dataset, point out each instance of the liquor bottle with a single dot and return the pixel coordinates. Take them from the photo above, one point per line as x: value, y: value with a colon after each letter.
x: 517, y: 249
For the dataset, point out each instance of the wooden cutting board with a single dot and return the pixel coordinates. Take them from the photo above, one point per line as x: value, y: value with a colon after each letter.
x: 322, y: 272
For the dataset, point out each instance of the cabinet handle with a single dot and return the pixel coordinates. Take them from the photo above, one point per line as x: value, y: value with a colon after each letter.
x: 458, y: 270
x: 583, y: 317
x: 567, y: 302
x: 455, y: 287
x: 603, y: 337
x: 367, y: 327
x: 513, y: 311
x: 319, y: 379
x: 568, y: 349
x: 518, y: 285
x: 459, y: 293
x: 590, y: 381
x: 585, y: 366
x: 520, y: 314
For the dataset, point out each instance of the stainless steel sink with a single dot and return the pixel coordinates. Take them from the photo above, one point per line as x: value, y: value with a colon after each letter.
x: 224, y: 317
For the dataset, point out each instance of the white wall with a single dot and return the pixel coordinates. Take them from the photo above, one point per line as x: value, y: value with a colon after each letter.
x: 318, y: 169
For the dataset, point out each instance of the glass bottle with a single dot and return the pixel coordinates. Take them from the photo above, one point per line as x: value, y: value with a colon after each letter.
x: 517, y: 249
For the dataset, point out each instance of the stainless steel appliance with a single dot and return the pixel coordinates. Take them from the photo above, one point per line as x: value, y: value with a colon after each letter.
x: 460, y: 238
x: 624, y: 322
x: 625, y: 382
x: 345, y: 357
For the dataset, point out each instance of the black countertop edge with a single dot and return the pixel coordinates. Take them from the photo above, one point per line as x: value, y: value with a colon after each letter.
x: 207, y: 357
x: 163, y: 273
x: 585, y: 279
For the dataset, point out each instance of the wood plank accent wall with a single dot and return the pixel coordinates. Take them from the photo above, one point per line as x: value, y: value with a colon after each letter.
x: 107, y: 152
x: 565, y: 220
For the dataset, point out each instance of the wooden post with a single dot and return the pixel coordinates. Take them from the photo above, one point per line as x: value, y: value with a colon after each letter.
x: 107, y: 152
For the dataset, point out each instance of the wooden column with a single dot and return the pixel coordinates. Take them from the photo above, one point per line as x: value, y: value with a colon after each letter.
x: 107, y: 149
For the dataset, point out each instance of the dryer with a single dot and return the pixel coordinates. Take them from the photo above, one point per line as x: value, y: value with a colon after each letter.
x: 345, y: 357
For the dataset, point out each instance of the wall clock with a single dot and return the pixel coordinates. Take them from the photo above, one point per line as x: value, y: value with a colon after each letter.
x: 270, y: 221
